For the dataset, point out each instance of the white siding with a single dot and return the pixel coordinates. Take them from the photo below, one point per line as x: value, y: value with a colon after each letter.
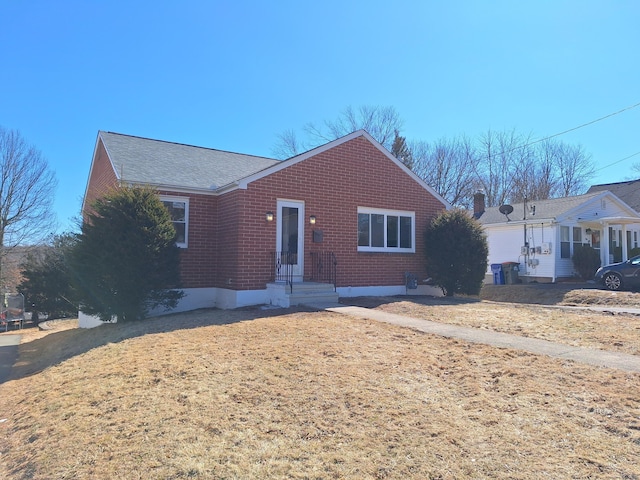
x: 505, y: 243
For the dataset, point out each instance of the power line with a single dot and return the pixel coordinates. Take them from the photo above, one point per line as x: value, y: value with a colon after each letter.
x: 617, y: 161
x: 587, y: 124
x: 571, y: 130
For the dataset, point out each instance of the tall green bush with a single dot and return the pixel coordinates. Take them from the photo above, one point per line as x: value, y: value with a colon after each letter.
x: 586, y: 260
x: 126, y: 262
x: 46, y: 283
x: 456, y: 252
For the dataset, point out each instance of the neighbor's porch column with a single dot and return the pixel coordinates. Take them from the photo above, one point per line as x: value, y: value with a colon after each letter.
x: 625, y: 256
x: 604, y: 244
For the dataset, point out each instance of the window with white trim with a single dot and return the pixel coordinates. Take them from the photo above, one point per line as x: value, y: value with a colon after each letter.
x: 565, y: 245
x: 386, y: 230
x: 178, y: 208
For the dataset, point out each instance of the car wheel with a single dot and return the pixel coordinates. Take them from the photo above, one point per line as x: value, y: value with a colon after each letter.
x: 612, y: 281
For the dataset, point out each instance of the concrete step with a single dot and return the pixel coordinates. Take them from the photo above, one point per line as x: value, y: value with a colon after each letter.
x: 320, y: 297
x: 303, y: 293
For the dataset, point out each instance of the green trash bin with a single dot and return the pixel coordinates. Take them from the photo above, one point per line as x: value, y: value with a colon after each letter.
x: 511, y: 270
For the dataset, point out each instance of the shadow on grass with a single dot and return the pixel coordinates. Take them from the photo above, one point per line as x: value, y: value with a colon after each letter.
x: 38, y: 355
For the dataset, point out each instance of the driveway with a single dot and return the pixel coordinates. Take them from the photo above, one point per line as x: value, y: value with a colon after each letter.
x: 8, y: 354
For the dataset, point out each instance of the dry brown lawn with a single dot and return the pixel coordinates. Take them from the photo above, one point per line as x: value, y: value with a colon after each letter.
x: 313, y: 395
x: 575, y: 327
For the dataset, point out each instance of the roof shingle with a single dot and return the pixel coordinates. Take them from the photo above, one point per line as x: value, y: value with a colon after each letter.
x: 160, y: 163
x: 547, y: 209
x: 628, y: 192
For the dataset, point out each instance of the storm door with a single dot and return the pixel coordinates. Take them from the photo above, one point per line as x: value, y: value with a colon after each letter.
x: 290, y: 236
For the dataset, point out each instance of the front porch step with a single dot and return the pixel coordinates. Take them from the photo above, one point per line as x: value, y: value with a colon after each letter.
x: 303, y: 293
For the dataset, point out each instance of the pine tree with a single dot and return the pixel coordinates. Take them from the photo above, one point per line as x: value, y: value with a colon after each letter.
x: 401, y: 151
x: 126, y: 262
x: 46, y: 283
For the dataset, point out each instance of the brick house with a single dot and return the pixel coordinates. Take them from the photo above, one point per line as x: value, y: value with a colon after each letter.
x: 255, y: 230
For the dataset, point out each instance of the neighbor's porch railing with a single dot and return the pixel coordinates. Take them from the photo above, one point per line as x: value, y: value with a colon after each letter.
x: 324, y: 268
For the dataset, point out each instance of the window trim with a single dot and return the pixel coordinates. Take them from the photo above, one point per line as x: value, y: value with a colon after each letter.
x: 387, y: 213
x: 185, y: 200
x: 565, y: 242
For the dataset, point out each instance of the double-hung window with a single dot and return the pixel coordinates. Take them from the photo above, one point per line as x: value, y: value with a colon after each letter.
x: 178, y: 208
x: 386, y: 230
x: 577, y: 238
x: 565, y: 245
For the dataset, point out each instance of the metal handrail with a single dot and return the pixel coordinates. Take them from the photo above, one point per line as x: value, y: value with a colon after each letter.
x: 283, y: 267
x: 324, y: 267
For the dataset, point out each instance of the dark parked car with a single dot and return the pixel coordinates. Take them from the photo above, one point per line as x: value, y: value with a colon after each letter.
x: 620, y: 275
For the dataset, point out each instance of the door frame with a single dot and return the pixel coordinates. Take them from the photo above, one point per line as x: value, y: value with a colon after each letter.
x: 298, y: 267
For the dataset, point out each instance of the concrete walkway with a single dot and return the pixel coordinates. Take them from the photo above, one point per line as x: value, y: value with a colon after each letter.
x: 8, y: 354
x: 599, y: 358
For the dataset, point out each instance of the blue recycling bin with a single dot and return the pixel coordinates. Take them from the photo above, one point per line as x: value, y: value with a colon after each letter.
x: 498, y: 274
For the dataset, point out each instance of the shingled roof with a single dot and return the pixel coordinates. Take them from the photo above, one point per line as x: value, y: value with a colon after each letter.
x: 545, y: 209
x: 628, y: 192
x: 166, y: 164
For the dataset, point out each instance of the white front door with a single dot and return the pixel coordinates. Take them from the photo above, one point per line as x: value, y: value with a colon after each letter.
x: 290, y: 235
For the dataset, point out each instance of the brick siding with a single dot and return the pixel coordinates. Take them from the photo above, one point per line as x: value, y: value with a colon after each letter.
x: 230, y: 243
x: 102, y: 179
x: 333, y: 184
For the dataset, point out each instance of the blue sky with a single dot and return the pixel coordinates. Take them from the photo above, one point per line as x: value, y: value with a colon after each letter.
x: 233, y: 74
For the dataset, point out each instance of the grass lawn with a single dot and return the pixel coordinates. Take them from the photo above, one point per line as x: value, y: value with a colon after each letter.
x: 314, y: 395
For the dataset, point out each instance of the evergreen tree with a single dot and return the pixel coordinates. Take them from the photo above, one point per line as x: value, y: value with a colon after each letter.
x: 401, y: 151
x: 456, y: 252
x: 46, y: 283
x: 126, y: 262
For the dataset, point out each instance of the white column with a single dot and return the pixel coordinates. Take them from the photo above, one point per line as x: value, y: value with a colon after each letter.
x: 604, y: 244
x: 625, y: 257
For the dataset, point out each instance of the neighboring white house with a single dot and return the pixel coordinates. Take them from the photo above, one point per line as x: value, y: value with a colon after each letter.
x: 541, y: 235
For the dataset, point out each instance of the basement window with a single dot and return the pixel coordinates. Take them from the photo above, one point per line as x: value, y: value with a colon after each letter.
x: 386, y: 230
x: 178, y: 208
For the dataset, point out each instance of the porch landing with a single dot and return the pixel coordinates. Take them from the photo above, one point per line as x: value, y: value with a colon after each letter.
x: 280, y: 294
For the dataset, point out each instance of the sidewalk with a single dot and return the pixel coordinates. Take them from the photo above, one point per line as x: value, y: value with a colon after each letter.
x: 599, y: 358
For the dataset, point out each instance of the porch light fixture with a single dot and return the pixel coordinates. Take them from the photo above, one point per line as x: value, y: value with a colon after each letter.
x: 588, y: 231
x: 312, y: 219
x: 269, y: 216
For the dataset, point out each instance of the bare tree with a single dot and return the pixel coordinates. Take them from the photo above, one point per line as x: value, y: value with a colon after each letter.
x: 27, y: 188
x: 497, y: 153
x: 381, y: 123
x: 514, y: 168
x: 447, y: 166
x: 546, y: 181
x: 287, y: 146
x: 574, y: 168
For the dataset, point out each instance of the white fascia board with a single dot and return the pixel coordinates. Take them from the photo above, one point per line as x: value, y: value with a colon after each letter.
x: 520, y: 222
x: 106, y: 149
x: 244, y: 182
x: 173, y: 188
x: 605, y: 194
x: 620, y: 220
x: 93, y: 159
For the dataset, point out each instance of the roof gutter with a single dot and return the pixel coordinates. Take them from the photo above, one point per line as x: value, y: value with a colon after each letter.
x: 172, y: 188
